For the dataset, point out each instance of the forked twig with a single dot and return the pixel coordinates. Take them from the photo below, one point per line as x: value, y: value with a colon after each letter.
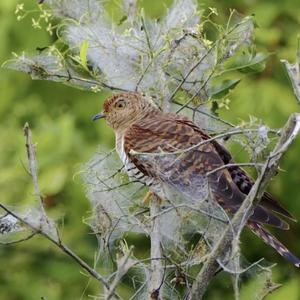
x: 55, y: 239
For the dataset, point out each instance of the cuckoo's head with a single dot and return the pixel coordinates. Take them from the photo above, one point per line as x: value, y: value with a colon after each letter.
x: 122, y: 110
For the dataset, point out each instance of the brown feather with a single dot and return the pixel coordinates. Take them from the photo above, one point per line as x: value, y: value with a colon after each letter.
x: 244, y: 182
x: 170, y: 133
x: 270, y: 240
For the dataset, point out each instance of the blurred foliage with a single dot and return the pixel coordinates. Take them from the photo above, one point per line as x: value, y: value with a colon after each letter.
x: 60, y: 118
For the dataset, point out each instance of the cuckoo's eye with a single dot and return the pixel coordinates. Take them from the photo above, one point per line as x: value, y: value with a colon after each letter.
x: 120, y: 104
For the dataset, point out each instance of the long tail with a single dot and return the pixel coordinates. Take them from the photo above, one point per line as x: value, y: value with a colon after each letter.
x: 269, y: 239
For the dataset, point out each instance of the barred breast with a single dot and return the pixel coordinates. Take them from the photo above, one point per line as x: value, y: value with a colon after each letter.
x: 131, y: 169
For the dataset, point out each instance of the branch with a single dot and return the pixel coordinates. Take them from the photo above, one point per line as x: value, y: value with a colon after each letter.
x: 198, y: 91
x: 240, y: 218
x: 122, y: 270
x: 42, y: 231
x: 196, y: 109
x: 293, y: 71
x: 90, y: 81
x: 192, y: 208
x: 32, y: 166
x: 256, y: 165
x: 30, y: 236
x: 61, y: 246
x: 156, y: 276
x: 213, y: 46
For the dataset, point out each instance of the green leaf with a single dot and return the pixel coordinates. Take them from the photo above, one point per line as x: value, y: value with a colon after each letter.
x: 221, y: 89
x: 247, y: 63
x: 83, y: 54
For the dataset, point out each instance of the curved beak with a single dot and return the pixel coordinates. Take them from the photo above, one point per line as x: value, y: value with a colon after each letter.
x: 98, y: 116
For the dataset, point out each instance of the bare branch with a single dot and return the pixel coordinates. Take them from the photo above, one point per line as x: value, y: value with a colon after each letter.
x: 189, y: 73
x: 19, y: 241
x: 32, y: 166
x: 293, y: 71
x: 62, y: 247
x: 240, y: 218
x: 40, y: 230
x: 192, y: 208
x: 196, y: 109
x: 208, y: 51
x: 234, y: 165
x: 156, y: 276
x: 198, y: 91
x: 122, y: 270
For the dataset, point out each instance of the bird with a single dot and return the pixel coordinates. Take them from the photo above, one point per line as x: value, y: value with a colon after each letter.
x: 166, y: 149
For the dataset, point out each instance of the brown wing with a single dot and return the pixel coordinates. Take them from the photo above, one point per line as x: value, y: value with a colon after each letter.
x: 185, y: 169
x: 242, y: 180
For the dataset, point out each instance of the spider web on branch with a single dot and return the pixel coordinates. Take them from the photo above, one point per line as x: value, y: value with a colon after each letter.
x: 154, y: 57
x: 157, y: 58
x: 12, y: 229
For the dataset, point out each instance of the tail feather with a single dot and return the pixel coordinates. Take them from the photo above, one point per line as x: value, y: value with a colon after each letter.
x: 269, y: 239
x: 268, y: 201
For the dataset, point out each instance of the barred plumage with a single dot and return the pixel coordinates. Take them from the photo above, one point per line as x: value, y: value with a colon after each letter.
x: 269, y: 239
x: 167, y: 149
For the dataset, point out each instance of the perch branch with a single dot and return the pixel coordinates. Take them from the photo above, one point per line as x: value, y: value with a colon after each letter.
x: 122, y: 270
x: 156, y: 276
x: 240, y: 218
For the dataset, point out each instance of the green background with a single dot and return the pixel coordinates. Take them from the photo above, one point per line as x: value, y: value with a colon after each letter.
x: 66, y: 139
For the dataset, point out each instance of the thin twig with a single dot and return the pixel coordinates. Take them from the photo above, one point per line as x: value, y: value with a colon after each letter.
x: 122, y: 270
x: 234, y: 165
x: 190, y: 72
x: 198, y: 91
x: 55, y: 239
x: 147, y: 38
x: 30, y: 148
x: 61, y: 246
x: 205, y: 114
x: 201, y: 60
x: 19, y: 241
x: 201, y: 211
x: 143, y: 74
x: 70, y: 77
x: 156, y: 276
